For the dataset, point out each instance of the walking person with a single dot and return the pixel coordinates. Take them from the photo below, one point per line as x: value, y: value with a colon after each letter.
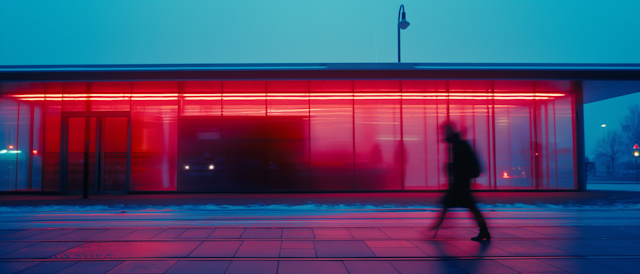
x: 461, y: 170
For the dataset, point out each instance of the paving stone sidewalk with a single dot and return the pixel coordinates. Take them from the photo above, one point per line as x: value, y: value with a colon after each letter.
x: 566, y: 249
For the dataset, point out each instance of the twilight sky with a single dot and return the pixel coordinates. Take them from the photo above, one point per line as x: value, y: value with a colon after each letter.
x: 281, y: 31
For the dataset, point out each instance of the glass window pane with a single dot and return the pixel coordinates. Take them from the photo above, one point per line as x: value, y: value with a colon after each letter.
x: 426, y: 152
x: 288, y: 138
x: 379, y: 151
x: 154, y: 143
x: 332, y: 154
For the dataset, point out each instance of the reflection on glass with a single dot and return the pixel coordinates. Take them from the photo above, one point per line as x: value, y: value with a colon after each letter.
x: 295, y: 135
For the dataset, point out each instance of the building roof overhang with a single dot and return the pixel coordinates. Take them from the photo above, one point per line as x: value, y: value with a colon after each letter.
x: 325, y: 71
x: 602, y: 81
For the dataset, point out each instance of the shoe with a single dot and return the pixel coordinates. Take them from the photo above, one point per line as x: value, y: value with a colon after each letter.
x: 484, y: 235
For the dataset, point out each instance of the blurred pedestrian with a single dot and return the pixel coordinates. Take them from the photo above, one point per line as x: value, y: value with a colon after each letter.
x: 463, y: 166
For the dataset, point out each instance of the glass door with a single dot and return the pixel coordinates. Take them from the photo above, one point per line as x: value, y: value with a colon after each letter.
x: 96, y: 158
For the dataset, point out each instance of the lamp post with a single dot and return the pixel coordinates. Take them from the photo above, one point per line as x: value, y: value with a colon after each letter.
x: 636, y: 154
x: 402, y: 24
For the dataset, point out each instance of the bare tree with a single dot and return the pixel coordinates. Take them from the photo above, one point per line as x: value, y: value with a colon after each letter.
x: 631, y: 125
x: 611, y: 147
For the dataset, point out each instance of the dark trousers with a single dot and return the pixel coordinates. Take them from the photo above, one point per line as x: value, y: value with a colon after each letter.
x: 461, y: 199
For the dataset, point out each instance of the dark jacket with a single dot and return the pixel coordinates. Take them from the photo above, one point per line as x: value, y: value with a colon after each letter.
x: 464, y: 165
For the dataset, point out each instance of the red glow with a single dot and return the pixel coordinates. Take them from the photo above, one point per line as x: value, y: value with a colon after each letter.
x: 289, y: 96
x: 10, y: 147
x: 329, y: 135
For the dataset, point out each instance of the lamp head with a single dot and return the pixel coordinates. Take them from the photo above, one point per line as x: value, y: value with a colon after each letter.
x: 403, y: 24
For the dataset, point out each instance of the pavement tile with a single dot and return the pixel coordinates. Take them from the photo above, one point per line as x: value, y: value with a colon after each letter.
x: 41, y: 250
x: 111, y: 234
x: 389, y: 244
x: 143, y: 234
x: 485, y: 248
x: 169, y: 249
x: 196, y: 233
x: 79, y: 235
x: 521, y: 232
x: 143, y: 267
x: 634, y: 260
x: 51, y: 234
x: 440, y: 249
x: 402, y: 233
x: 170, y: 233
x: 262, y: 233
x: 227, y: 233
x: 529, y: 265
x: 199, y: 267
x: 395, y: 252
x: 576, y: 248
x: 619, y: 264
x: 297, y: 244
x: 216, y: 249
x: 23, y: 234
x: 342, y: 249
x: 370, y: 267
x: 297, y: 253
x: 495, y: 234
x: 608, y: 243
x: 14, y: 246
x: 90, y: 267
x: 559, y: 232
x: 629, y: 229
x: 367, y: 233
x: 462, y: 231
x: 605, y: 232
x: 580, y: 266
x: 534, y: 251
x: 250, y: 267
x: 8, y: 231
x: 630, y: 251
x: 528, y: 248
x: 259, y: 249
x: 47, y: 267
x: 297, y: 233
x: 13, y: 267
x: 445, y: 234
x: 483, y: 266
x: 427, y: 267
x: 311, y: 267
x: 332, y: 233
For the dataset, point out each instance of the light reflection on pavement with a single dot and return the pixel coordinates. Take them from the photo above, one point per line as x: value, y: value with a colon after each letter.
x: 308, y: 215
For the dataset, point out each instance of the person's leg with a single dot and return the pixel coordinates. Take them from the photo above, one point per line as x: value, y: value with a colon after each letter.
x: 436, y: 227
x: 442, y: 215
x: 484, y: 231
x: 478, y: 216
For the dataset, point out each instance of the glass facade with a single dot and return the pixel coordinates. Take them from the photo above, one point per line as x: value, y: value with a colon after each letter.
x: 272, y: 136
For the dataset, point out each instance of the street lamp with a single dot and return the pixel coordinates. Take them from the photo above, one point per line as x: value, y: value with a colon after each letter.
x: 636, y: 154
x: 402, y: 24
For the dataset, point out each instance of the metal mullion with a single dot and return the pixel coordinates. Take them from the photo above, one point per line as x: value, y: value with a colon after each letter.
x: 99, y: 184
x: 129, y: 134
x: 64, y: 151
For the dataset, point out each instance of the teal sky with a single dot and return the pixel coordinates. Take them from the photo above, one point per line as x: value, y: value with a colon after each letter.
x: 40, y: 32
x: 608, y: 112
x: 279, y: 31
